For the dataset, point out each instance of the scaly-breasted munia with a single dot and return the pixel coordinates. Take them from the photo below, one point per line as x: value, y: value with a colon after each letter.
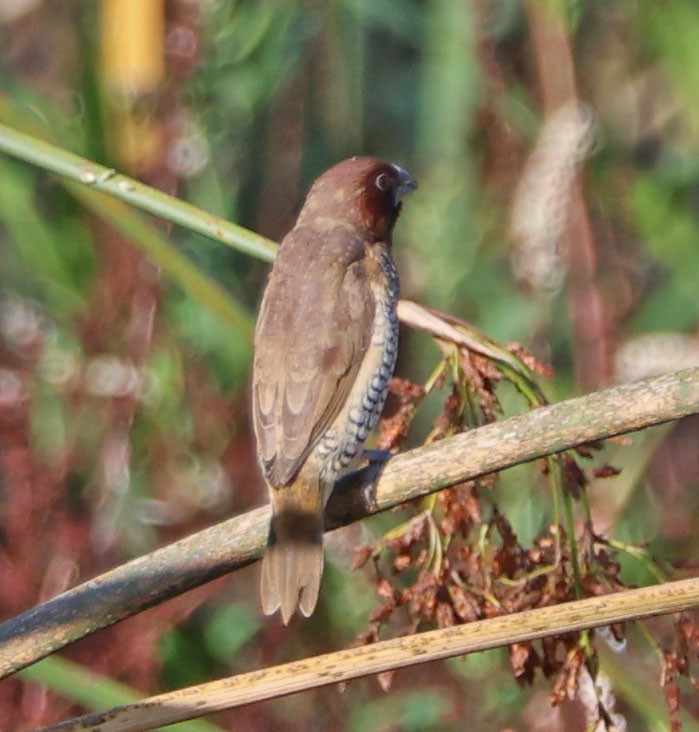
x: 325, y: 347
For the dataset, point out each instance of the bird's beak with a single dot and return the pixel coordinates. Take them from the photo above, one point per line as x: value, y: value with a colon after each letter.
x: 406, y: 183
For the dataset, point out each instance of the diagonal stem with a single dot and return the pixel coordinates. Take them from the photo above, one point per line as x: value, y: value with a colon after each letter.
x: 353, y: 663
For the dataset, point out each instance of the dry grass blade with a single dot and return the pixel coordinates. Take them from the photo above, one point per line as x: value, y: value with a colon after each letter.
x: 444, y: 327
x: 353, y: 663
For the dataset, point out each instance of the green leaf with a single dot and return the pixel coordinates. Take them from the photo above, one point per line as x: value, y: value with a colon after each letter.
x: 93, y: 691
x: 229, y: 628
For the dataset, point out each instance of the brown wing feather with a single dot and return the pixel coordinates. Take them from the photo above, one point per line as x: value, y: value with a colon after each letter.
x: 320, y: 318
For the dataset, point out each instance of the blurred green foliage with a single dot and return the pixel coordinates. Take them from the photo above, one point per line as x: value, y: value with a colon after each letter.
x: 260, y: 97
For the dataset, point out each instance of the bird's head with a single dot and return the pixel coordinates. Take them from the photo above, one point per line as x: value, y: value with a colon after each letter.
x: 361, y: 191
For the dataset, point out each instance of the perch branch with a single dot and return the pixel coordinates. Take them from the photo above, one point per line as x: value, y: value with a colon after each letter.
x: 173, y: 569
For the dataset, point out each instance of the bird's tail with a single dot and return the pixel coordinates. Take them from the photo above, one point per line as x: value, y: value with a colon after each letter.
x: 293, y: 563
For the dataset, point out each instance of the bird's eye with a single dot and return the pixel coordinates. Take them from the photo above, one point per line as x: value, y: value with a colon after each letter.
x: 383, y: 182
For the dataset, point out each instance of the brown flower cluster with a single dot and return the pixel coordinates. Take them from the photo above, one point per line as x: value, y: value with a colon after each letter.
x: 677, y: 662
x: 457, y: 558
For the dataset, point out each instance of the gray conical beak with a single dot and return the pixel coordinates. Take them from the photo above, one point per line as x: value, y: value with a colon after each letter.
x: 406, y: 183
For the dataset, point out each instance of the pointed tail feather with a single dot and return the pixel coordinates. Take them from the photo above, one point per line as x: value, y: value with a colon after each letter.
x: 293, y: 564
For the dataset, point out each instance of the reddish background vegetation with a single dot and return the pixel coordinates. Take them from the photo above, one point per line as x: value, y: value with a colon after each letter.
x: 569, y: 228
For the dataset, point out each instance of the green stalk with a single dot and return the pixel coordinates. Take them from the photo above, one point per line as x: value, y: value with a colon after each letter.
x: 92, y: 690
x: 99, y: 178
x: 159, y: 250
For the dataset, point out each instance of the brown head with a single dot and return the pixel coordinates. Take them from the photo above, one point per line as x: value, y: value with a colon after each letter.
x: 361, y: 191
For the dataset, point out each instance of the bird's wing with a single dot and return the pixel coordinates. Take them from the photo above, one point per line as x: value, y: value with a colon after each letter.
x: 313, y: 330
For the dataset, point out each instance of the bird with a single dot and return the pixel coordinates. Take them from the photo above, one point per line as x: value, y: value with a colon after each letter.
x: 325, y: 347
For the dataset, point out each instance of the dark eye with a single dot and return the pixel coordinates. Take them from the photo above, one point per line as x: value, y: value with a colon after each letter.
x: 383, y: 182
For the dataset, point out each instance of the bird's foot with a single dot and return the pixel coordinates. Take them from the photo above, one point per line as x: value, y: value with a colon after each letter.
x: 354, y: 496
x: 377, y: 456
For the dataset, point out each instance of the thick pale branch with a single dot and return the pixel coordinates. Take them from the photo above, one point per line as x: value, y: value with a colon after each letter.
x: 186, y: 564
x: 353, y: 663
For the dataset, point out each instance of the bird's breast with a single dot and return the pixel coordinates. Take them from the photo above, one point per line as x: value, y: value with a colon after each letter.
x: 340, y: 447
